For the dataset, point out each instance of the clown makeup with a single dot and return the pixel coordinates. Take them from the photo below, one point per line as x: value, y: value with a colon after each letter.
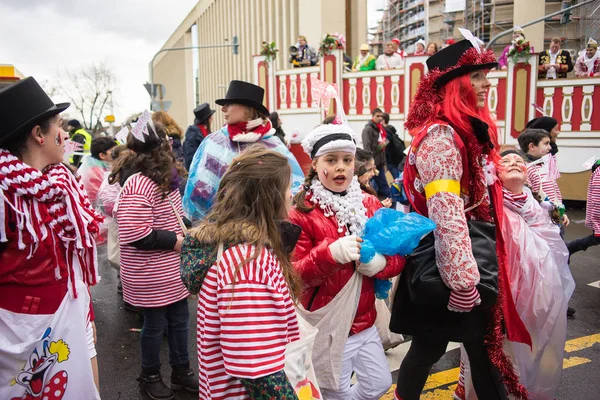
x: 513, y: 172
x: 480, y: 85
x: 335, y: 170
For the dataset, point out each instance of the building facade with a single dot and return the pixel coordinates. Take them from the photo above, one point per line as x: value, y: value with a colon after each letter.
x: 252, y: 21
x: 410, y: 20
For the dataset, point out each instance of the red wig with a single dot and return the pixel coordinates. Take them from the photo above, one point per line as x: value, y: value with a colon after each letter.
x: 459, y: 102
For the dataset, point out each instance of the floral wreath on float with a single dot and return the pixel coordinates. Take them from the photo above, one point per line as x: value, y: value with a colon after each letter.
x: 330, y: 42
x: 268, y: 50
x: 520, y: 51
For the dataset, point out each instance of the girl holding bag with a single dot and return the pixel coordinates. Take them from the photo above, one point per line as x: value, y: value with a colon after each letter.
x: 332, y: 211
x: 148, y: 214
x: 237, y: 260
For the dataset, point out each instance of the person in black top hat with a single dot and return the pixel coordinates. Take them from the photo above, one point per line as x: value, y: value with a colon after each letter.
x: 197, y: 132
x: 47, y: 249
x: 449, y: 176
x: 246, y: 122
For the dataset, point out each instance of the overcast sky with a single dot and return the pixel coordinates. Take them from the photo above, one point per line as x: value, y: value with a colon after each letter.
x: 42, y: 38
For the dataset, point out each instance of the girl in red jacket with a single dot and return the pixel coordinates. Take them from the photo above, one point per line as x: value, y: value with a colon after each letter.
x: 332, y: 211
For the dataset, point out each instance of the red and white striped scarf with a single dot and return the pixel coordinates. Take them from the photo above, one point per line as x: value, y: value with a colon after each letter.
x: 51, y: 199
x: 517, y: 201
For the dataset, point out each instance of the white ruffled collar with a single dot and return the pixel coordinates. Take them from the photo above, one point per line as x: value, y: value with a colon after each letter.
x: 348, y: 209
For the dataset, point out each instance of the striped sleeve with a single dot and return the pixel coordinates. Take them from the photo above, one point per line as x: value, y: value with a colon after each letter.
x: 134, y: 214
x: 592, y: 213
x: 533, y: 178
x: 254, y: 317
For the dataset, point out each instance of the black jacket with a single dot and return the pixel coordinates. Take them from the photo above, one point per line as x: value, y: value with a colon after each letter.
x: 370, y: 139
x: 193, y: 138
x: 394, y: 152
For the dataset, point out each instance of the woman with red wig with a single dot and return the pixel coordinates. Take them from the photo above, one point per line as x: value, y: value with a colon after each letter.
x: 450, y: 177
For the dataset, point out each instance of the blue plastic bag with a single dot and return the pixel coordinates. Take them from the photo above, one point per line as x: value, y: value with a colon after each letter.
x: 213, y: 157
x: 391, y: 232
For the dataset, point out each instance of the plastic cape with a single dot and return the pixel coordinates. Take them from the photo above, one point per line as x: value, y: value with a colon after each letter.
x: 92, y: 173
x: 214, y: 155
x: 541, y: 286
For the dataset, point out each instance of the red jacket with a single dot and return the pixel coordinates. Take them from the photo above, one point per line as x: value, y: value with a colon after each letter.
x: 315, y: 264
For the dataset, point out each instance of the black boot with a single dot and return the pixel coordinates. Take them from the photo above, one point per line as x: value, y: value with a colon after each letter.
x: 184, y: 378
x: 154, y: 386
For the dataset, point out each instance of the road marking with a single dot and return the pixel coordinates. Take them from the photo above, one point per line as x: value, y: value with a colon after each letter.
x: 442, y: 378
x: 575, y: 361
x: 595, y: 284
x: 581, y: 343
x: 450, y: 376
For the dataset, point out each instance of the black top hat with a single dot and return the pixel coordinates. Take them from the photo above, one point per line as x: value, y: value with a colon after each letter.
x: 247, y: 94
x: 203, y: 113
x: 449, y: 59
x: 24, y: 104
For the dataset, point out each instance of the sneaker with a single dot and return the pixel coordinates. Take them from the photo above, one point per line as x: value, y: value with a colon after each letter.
x: 184, y: 378
x: 154, y: 387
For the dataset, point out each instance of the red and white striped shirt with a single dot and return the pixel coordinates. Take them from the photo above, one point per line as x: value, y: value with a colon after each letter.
x: 592, y: 213
x: 150, y: 278
x: 244, y: 324
x: 538, y: 180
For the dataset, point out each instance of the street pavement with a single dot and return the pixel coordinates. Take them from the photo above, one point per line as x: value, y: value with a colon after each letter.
x: 119, y: 358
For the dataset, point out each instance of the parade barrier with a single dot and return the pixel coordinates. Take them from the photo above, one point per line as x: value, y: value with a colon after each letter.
x: 515, y: 97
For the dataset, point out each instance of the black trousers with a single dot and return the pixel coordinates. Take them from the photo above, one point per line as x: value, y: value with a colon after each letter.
x: 425, y: 351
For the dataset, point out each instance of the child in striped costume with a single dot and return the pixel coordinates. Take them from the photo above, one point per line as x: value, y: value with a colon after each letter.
x: 592, y: 214
x: 237, y: 260
x: 149, y: 219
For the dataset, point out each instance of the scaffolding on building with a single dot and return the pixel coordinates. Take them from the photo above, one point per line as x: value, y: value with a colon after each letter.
x: 411, y: 20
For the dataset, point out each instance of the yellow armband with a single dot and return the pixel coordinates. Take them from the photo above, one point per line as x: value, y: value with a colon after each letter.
x: 442, y: 185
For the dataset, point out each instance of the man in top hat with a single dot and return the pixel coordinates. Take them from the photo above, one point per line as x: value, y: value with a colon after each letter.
x: 196, y: 132
x: 365, y: 61
x: 554, y: 63
x: 420, y: 48
x: 588, y: 64
x: 246, y: 123
x: 81, y: 136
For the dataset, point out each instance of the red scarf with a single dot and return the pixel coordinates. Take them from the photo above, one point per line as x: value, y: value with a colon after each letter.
x: 203, y: 129
x: 382, y: 133
x: 249, y: 131
x: 51, y: 199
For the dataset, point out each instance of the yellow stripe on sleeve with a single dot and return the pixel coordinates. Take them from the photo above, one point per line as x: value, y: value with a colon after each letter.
x: 442, y: 185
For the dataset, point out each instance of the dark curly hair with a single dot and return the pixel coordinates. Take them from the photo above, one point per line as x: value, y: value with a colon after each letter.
x: 152, y: 158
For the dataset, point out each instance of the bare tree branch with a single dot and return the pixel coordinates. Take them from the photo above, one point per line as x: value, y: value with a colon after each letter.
x: 88, y: 89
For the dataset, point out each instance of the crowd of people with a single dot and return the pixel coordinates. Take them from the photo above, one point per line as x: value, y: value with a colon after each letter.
x: 228, y: 218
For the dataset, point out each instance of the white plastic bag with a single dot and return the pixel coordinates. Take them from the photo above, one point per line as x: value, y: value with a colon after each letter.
x: 298, y: 362
x: 382, y: 323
